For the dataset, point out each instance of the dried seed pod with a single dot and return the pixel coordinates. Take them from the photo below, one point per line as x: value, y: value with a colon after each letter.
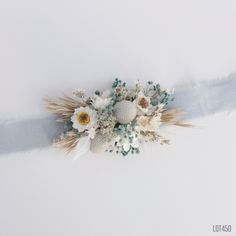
x: 98, y: 144
x: 125, y: 111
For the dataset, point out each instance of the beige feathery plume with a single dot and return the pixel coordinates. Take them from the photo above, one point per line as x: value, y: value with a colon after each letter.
x: 64, y: 106
x: 67, y: 142
x: 171, y: 117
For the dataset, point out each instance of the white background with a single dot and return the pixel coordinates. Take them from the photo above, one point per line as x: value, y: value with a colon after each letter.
x: 49, y: 47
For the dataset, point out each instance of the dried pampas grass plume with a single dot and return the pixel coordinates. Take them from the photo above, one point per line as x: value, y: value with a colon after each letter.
x: 64, y: 106
x: 171, y: 117
x: 67, y: 142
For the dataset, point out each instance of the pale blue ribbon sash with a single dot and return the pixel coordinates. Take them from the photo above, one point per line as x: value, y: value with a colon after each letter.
x: 198, y: 100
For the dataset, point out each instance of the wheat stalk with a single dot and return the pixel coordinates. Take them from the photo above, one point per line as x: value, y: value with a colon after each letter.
x: 67, y: 142
x: 171, y: 117
x: 64, y: 106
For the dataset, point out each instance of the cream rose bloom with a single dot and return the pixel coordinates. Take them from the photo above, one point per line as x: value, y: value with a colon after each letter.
x: 149, y: 123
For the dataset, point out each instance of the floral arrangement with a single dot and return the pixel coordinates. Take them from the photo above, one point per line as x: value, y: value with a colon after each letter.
x: 118, y: 120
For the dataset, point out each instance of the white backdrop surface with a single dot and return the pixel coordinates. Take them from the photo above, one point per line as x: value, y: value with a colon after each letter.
x: 49, y: 47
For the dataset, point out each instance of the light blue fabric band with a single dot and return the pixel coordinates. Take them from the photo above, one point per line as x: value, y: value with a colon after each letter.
x: 19, y: 136
x: 199, y: 100
x: 206, y: 98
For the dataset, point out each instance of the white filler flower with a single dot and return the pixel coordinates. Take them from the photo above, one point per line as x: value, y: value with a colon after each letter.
x: 101, y: 101
x: 83, y: 119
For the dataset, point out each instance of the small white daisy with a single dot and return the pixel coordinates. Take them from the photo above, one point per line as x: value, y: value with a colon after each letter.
x: 83, y: 119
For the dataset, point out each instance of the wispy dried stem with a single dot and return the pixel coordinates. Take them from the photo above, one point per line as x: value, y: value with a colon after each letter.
x: 155, y: 137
